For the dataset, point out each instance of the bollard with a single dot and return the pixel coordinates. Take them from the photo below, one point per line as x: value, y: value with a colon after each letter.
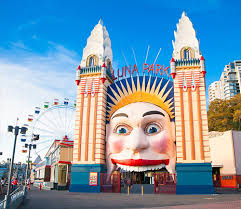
x: 142, y: 192
x: 40, y: 186
x: 128, y: 190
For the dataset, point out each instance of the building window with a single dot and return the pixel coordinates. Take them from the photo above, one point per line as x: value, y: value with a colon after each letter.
x: 108, y: 64
x: 186, y: 54
x: 91, y: 61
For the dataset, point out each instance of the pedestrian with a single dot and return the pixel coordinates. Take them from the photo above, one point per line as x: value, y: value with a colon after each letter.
x: 14, y: 184
x: 1, y: 186
x: 129, y: 183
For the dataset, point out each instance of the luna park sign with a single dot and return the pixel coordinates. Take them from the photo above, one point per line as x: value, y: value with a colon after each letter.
x: 155, y: 69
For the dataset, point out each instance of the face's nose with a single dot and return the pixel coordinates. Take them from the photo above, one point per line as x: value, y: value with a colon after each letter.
x: 137, y: 141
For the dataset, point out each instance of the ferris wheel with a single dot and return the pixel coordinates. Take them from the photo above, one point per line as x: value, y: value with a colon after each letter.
x: 53, y: 121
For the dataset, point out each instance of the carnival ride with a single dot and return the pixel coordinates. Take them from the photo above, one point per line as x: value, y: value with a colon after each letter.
x: 53, y: 121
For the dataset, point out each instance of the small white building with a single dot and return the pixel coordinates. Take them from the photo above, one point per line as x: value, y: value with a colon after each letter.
x: 226, y: 158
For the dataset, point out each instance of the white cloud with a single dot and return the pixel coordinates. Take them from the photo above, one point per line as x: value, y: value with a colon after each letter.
x: 19, y: 44
x: 28, y: 80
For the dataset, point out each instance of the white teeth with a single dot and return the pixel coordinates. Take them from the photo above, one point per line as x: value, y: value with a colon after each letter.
x: 140, y: 168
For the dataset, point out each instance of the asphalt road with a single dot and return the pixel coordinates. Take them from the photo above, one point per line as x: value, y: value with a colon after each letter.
x: 67, y: 200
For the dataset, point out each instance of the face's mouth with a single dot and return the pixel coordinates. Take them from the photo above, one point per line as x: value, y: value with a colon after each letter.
x: 140, y: 162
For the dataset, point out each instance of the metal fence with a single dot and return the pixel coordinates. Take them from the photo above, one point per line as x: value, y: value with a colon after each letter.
x: 16, y: 198
x: 164, y: 183
x: 110, y: 182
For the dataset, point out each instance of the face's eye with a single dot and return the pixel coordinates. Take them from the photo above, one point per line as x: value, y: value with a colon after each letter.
x: 122, y: 130
x: 152, y: 129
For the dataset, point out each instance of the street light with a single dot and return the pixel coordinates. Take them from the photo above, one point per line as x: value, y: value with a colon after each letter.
x: 16, y: 132
x: 29, y: 146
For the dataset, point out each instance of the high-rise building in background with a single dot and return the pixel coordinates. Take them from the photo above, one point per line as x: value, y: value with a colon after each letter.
x: 229, y: 84
x: 214, y: 91
x: 230, y: 79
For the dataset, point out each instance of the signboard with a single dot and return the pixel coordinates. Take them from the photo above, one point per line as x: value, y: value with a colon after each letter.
x: 93, y: 179
x: 155, y: 69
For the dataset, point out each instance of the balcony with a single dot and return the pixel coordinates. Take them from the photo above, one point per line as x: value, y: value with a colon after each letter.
x: 184, y: 62
x: 92, y: 69
x: 95, y: 69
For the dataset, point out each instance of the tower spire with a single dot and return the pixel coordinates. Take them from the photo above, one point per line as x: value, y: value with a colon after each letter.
x: 185, y: 37
x: 98, y: 46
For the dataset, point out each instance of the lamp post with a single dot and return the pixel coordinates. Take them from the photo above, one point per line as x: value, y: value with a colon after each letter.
x: 16, y: 132
x: 29, y: 146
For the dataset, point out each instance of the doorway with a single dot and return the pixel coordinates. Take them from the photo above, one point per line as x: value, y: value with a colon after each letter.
x: 216, y: 176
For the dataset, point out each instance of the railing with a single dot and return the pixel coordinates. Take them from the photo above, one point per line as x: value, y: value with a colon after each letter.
x: 110, y: 182
x: 92, y: 69
x: 193, y: 62
x: 164, y: 183
x: 16, y: 198
x: 95, y: 69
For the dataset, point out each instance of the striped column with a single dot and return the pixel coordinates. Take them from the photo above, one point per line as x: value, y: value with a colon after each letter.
x: 191, y: 116
x: 89, y: 144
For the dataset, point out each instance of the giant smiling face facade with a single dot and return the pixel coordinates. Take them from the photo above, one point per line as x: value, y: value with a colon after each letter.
x: 140, y: 134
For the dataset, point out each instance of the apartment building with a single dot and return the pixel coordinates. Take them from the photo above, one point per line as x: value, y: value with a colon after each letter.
x: 214, y: 91
x: 229, y: 84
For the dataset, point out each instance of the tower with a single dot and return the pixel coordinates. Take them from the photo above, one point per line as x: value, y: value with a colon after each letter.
x: 194, y: 170
x: 93, y: 75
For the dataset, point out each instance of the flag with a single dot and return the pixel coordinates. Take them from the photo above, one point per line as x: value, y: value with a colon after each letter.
x: 66, y: 101
x: 37, y: 110
x: 56, y: 101
x: 46, y: 105
x: 30, y: 118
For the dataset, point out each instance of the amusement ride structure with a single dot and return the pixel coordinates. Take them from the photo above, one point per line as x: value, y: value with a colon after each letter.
x: 52, y: 121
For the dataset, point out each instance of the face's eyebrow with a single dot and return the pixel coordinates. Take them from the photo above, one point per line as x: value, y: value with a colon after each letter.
x: 120, y: 115
x: 153, y: 113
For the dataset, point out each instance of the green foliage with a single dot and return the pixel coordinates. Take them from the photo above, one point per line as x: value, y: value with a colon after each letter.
x: 224, y: 115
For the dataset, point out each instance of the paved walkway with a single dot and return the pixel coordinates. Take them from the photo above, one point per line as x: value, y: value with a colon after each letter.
x: 67, y: 200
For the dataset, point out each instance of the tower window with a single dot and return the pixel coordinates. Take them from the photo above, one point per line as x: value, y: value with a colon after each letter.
x: 108, y: 63
x: 187, y: 54
x: 92, y: 61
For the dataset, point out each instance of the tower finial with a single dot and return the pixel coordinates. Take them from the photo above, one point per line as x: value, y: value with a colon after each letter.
x: 101, y: 21
x: 184, y: 14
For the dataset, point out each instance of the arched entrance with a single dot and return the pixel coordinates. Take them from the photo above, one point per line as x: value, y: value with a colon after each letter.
x: 147, y: 182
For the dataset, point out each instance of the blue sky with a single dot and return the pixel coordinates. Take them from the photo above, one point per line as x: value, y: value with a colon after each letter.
x: 41, y: 43
x: 36, y: 26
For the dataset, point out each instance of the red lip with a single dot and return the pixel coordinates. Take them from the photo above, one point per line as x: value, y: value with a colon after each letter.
x: 140, y: 162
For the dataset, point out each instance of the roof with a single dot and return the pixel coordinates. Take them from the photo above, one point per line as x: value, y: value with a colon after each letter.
x: 37, y: 160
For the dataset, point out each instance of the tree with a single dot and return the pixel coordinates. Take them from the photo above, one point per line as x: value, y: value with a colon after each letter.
x: 225, y: 115
x: 237, y: 118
